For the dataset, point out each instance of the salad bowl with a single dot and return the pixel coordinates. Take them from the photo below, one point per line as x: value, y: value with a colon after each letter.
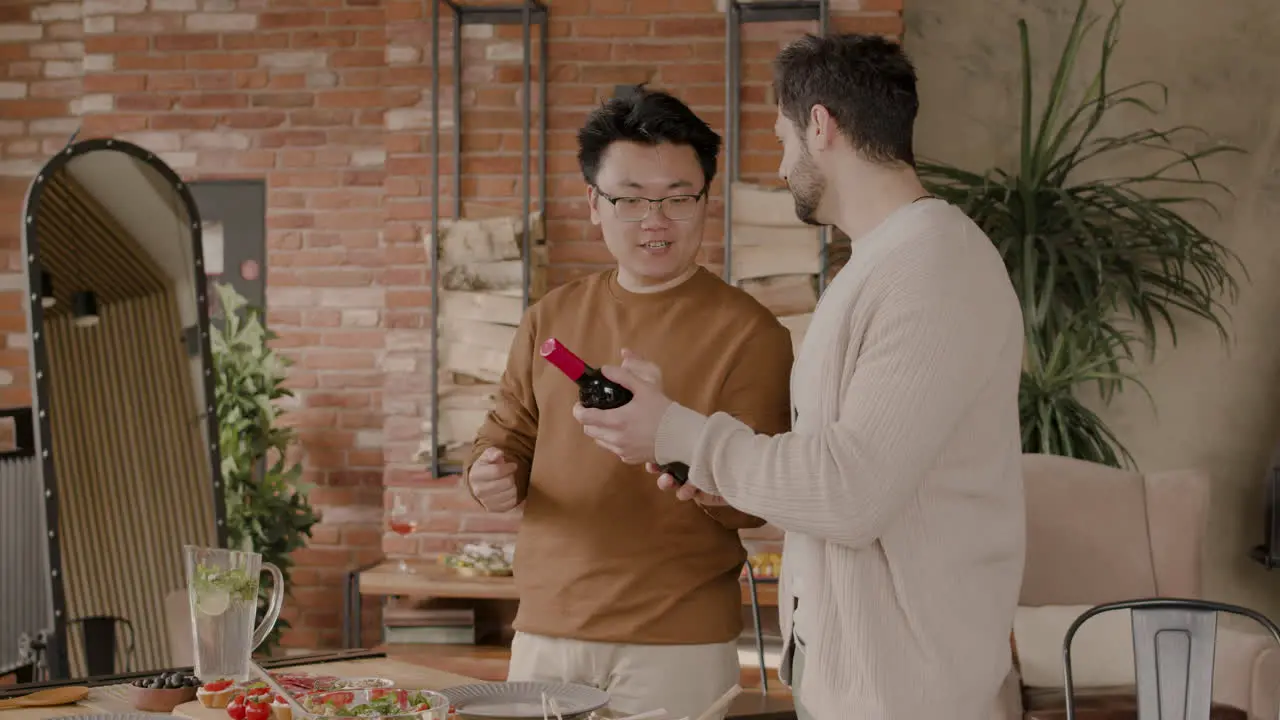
x: 375, y: 704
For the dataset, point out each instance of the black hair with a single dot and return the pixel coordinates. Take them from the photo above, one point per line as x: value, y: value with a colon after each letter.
x: 649, y: 117
x: 866, y: 82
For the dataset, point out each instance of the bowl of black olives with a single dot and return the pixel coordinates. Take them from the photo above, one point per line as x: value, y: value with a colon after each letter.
x: 163, y: 692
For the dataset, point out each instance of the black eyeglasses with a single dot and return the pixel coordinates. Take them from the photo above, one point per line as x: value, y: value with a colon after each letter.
x: 635, y: 209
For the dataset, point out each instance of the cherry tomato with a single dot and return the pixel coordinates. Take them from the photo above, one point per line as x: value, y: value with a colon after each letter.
x: 217, y: 685
x: 257, y: 710
x: 340, y: 698
x: 236, y: 708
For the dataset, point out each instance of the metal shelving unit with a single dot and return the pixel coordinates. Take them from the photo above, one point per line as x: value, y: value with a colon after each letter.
x: 738, y: 14
x: 526, y: 14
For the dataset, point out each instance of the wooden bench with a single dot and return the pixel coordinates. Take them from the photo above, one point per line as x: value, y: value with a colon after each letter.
x: 435, y: 580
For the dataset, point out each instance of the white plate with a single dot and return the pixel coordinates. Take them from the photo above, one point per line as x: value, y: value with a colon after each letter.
x: 361, y: 683
x: 523, y: 700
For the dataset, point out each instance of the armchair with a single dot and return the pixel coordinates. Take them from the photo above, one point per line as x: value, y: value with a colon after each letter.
x: 1097, y: 535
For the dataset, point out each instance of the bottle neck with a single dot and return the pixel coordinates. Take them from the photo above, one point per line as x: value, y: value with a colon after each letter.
x: 588, y: 373
x: 564, y: 359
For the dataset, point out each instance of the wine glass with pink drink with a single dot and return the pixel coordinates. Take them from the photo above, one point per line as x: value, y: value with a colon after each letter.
x: 406, y: 507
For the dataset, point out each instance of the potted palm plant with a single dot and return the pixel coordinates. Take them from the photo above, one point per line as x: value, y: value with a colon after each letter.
x: 1101, y: 264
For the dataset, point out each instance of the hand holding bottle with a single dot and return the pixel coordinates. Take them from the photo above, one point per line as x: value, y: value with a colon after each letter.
x: 493, y: 480
x: 603, y: 390
x: 684, y: 492
x: 651, y: 373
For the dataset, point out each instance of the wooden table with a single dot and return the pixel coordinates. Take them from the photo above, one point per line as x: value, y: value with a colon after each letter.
x: 114, y: 698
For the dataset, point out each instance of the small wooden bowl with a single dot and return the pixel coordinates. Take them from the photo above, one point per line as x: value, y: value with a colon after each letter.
x: 161, y: 700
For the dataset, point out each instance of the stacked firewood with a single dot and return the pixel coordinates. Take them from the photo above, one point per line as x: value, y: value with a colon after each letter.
x: 776, y: 257
x: 480, y: 305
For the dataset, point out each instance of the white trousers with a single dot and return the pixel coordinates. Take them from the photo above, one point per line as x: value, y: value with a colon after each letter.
x: 682, y: 679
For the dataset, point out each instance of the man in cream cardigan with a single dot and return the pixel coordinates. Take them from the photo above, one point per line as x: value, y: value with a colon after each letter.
x: 899, y: 486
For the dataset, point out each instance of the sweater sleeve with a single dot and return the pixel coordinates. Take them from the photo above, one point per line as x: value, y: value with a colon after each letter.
x: 936, y: 337
x: 757, y: 392
x: 512, y: 425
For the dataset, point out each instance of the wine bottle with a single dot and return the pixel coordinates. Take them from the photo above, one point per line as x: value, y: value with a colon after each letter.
x: 597, y: 391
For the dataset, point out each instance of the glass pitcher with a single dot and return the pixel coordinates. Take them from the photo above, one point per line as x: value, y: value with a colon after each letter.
x: 222, y: 586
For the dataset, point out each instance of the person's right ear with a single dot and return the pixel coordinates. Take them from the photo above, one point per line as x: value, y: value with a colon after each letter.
x: 593, y: 198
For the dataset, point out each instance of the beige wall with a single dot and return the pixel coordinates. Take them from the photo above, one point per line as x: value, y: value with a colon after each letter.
x: 1217, y: 407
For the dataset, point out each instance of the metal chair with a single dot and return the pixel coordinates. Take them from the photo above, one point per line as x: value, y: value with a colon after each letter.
x: 752, y: 583
x: 98, y: 640
x: 1173, y: 654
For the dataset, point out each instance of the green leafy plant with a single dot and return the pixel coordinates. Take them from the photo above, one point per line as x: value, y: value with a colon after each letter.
x: 1099, y: 263
x: 1052, y: 417
x: 267, y: 507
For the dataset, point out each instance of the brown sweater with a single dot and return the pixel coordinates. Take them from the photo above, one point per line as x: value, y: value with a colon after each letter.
x: 602, y: 554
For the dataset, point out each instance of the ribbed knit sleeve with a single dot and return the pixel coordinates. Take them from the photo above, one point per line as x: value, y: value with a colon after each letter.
x: 938, y: 324
x: 757, y: 392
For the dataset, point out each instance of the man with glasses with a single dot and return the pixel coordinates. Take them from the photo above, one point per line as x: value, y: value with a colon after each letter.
x: 623, y: 586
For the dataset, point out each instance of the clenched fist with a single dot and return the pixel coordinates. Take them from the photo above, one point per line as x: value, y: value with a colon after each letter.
x: 493, y: 480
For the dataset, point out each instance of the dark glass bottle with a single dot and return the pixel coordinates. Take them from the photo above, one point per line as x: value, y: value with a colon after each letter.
x: 597, y: 391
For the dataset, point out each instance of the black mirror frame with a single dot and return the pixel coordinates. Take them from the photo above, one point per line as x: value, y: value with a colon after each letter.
x: 58, y: 662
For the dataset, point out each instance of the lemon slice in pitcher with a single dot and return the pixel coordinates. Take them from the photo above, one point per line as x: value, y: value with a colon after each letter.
x: 213, y: 601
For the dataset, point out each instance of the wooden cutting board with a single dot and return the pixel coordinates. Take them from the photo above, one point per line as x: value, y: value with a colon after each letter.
x: 404, y: 674
x: 109, y: 699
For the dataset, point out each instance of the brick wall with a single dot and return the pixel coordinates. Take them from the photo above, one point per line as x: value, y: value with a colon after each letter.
x: 329, y: 101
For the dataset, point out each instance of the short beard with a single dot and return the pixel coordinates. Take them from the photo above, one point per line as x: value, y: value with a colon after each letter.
x: 807, y: 187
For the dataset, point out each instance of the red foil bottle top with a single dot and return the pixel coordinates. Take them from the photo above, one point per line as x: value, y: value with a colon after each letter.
x: 563, y: 358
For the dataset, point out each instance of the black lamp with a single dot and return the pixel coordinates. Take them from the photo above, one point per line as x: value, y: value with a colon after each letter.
x: 85, y: 307
x: 47, y: 300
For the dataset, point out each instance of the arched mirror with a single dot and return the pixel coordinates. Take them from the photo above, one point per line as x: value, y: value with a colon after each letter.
x: 123, y: 468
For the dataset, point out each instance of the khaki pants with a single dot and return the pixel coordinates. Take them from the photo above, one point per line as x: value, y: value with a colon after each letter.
x: 682, y: 679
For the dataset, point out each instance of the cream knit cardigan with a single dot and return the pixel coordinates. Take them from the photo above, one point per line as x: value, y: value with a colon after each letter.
x: 900, y: 486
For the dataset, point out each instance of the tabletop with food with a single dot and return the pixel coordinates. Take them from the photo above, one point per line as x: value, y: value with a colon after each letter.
x: 401, y: 691
x: 480, y: 559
